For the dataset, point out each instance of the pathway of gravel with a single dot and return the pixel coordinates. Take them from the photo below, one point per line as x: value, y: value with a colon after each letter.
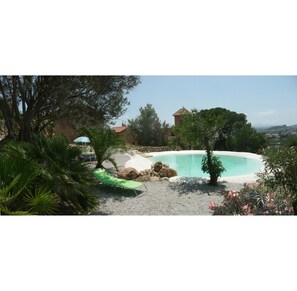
x: 162, y: 197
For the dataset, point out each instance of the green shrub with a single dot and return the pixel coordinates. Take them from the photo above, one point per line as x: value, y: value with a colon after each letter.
x: 51, y: 179
x: 290, y: 142
x: 276, y: 192
x: 280, y: 172
x: 19, y: 193
x: 213, y: 166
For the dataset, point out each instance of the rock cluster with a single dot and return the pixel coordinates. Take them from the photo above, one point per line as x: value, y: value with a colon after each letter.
x: 158, y: 171
x: 128, y: 174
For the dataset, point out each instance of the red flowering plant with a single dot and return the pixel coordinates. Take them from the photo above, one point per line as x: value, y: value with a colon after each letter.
x: 252, y: 199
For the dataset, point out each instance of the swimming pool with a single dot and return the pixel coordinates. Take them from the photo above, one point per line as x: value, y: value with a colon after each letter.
x: 188, y: 163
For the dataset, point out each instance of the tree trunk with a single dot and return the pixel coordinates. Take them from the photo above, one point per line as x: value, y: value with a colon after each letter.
x: 25, y: 131
x: 213, y: 177
x: 9, y: 126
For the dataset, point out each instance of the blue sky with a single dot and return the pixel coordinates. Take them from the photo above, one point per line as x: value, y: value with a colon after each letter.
x: 266, y: 100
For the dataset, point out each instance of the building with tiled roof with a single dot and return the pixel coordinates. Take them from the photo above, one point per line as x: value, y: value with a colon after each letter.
x: 178, y: 115
x: 124, y: 132
x: 119, y: 129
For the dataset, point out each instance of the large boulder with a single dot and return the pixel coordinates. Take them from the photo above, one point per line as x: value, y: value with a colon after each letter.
x: 167, y: 172
x: 128, y: 174
x: 158, y: 171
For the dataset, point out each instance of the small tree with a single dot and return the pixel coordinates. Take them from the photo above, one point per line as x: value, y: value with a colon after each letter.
x: 198, y: 130
x: 105, y: 143
x: 214, y: 168
x: 148, y: 129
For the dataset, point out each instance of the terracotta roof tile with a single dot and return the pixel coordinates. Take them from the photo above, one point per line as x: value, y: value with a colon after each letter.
x: 119, y: 129
x: 181, y: 111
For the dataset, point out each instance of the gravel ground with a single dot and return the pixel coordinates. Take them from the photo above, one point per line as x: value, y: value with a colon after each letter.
x: 161, y: 197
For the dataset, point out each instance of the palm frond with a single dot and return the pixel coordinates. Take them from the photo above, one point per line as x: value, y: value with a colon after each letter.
x: 42, y: 201
x: 6, y: 211
x: 105, y: 143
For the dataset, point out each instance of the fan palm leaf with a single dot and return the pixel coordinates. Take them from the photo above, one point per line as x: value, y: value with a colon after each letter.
x: 42, y: 201
x: 44, y: 177
x: 105, y: 143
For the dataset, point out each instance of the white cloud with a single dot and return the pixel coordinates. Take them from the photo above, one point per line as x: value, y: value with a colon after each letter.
x: 264, y: 113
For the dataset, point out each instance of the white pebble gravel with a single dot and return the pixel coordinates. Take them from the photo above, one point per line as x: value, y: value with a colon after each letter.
x: 162, y: 198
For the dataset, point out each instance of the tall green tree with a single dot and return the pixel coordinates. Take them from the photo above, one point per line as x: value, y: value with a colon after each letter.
x: 226, y: 122
x: 246, y: 139
x: 232, y: 131
x: 148, y: 129
x: 29, y: 104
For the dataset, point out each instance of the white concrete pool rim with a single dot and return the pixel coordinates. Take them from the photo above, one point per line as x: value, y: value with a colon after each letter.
x: 140, y: 163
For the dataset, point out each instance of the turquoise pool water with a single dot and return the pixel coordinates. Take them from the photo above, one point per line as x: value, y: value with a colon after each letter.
x: 189, y: 165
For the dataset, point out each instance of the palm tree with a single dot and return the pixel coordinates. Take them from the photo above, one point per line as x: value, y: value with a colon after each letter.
x: 105, y: 144
x: 64, y: 174
x: 57, y: 174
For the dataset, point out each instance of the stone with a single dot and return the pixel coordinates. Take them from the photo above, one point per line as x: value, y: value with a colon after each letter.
x: 167, y: 172
x: 144, y: 178
x: 158, y: 171
x: 157, y: 166
x: 154, y: 174
x: 128, y: 174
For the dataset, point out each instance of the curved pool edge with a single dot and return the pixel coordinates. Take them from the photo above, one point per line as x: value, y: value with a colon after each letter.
x: 227, y: 153
x: 140, y: 163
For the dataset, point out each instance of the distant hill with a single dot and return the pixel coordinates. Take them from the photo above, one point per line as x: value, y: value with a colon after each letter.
x: 260, y: 127
x: 279, y: 129
x: 294, y: 127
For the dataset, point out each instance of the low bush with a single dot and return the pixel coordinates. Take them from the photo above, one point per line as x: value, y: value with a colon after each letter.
x: 280, y: 171
x: 253, y: 199
x: 274, y: 194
